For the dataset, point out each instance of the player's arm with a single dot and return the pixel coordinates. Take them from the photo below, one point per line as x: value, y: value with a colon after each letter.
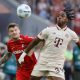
x: 7, y: 55
x: 29, y: 47
x: 5, y: 58
x: 40, y: 37
x: 33, y: 44
x: 75, y: 38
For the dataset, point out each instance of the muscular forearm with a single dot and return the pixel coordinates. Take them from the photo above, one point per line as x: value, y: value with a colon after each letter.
x: 5, y: 58
x: 27, y: 50
x: 32, y: 44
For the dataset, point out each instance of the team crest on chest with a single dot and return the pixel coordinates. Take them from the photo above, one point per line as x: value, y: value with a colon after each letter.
x: 22, y: 45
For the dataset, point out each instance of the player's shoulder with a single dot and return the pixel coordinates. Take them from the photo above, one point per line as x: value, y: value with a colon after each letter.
x: 51, y: 27
x: 70, y: 31
x: 26, y: 37
x: 10, y: 42
x: 23, y: 36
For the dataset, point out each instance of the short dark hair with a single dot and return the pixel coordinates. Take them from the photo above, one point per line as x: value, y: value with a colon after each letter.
x: 12, y: 25
x: 70, y: 13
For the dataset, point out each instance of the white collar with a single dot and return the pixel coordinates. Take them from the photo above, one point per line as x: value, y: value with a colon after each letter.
x: 61, y: 28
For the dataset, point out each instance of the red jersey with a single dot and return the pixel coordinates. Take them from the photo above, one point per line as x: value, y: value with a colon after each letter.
x: 17, y: 47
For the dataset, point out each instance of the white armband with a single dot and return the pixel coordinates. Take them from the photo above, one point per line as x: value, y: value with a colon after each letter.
x: 21, y: 58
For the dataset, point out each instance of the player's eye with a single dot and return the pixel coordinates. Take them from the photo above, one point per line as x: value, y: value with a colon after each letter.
x: 15, y: 29
x: 11, y: 31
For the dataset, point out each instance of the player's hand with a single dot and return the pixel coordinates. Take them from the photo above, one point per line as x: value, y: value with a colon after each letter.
x: 1, y: 64
x: 21, y: 58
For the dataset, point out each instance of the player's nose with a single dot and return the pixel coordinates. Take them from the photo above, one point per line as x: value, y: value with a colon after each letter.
x: 14, y: 32
x: 59, y: 17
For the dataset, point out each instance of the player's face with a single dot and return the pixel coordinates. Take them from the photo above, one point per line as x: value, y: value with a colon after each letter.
x: 14, y: 32
x: 62, y: 18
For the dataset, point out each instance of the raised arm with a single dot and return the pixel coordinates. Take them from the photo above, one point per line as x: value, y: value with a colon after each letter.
x: 5, y: 58
x: 32, y: 44
x: 40, y: 37
x: 75, y: 38
x: 29, y: 47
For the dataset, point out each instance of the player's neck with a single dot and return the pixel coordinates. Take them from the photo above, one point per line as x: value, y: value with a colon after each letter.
x: 15, y: 39
x: 62, y: 25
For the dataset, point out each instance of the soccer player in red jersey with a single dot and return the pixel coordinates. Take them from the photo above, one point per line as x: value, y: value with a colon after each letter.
x: 16, y: 46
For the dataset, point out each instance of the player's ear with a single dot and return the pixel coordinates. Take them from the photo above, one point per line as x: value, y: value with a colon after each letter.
x: 19, y: 31
x: 67, y: 20
x: 55, y: 19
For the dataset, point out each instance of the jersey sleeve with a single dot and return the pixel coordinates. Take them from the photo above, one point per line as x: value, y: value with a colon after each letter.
x: 74, y: 37
x: 28, y: 39
x: 43, y: 34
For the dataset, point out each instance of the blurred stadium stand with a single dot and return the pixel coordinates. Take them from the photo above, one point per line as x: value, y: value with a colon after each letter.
x: 7, y: 15
x: 30, y: 26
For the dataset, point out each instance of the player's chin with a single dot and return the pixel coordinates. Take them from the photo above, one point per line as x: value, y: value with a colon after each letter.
x: 60, y: 22
x: 15, y: 37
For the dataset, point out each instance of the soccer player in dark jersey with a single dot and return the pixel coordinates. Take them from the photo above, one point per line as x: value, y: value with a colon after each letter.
x: 16, y: 46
